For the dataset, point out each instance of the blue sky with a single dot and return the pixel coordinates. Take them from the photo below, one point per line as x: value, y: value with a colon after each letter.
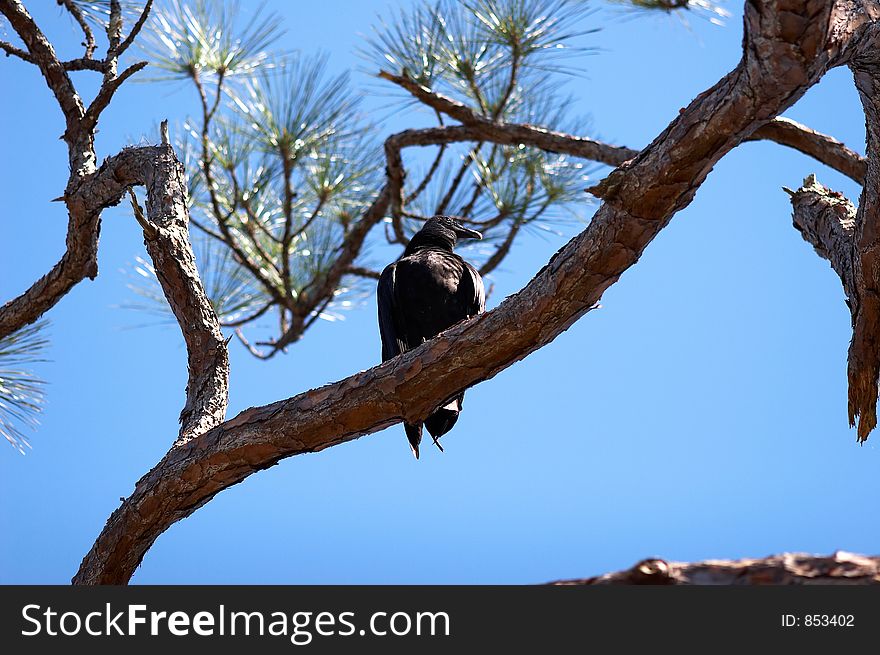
x: 701, y: 413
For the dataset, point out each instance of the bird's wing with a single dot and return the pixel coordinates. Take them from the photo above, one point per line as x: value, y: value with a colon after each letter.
x: 392, y: 342
x: 479, y: 305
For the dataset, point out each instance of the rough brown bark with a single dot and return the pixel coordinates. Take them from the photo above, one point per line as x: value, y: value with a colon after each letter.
x: 166, y: 237
x: 841, y: 568
x: 864, y: 350
x: 787, y: 47
x: 827, y: 221
x: 849, y: 237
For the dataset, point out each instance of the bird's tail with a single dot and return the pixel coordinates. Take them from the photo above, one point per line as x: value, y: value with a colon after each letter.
x: 443, y: 420
x: 414, y: 435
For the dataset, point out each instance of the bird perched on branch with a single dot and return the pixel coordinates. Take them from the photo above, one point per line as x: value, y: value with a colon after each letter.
x: 426, y: 291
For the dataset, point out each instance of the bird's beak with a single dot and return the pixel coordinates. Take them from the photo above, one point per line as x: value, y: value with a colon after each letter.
x: 464, y: 233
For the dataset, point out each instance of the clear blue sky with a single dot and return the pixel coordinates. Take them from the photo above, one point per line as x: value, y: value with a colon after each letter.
x: 701, y: 413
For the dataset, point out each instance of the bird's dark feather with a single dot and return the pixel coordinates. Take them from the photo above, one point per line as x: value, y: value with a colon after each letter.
x: 424, y: 293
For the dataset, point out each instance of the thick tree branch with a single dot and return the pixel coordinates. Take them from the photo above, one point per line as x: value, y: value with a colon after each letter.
x: 174, y: 262
x: 841, y: 568
x: 79, y: 261
x: 827, y: 221
x: 778, y: 65
x: 864, y: 350
x: 820, y: 147
x: 166, y: 236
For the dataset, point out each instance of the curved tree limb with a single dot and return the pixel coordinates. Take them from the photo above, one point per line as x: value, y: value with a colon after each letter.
x: 168, y: 245
x: 79, y: 261
x: 498, y: 132
x: 849, y: 239
x: 783, y: 131
x: 785, y: 52
x: 820, y: 147
x: 840, y: 568
x: 166, y: 237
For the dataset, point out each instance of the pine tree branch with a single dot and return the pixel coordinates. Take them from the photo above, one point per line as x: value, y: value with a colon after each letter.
x: 105, y: 95
x: 11, y: 50
x: 360, y: 271
x: 173, y: 259
x: 135, y: 30
x: 827, y: 220
x: 786, y: 569
x: 83, y: 64
x: 322, y: 288
x: 166, y: 237
x: 220, y: 217
x: 84, y: 25
x: 820, y: 147
x: 781, y: 130
x: 498, y: 132
x: 247, y: 225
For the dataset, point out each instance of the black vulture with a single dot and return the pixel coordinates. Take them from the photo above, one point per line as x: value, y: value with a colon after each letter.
x: 427, y: 290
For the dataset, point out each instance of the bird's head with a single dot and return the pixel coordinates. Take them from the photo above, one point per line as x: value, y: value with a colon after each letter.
x: 441, y: 232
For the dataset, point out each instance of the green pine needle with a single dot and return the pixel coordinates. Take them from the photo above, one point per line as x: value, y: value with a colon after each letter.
x: 21, y: 391
x: 208, y: 38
